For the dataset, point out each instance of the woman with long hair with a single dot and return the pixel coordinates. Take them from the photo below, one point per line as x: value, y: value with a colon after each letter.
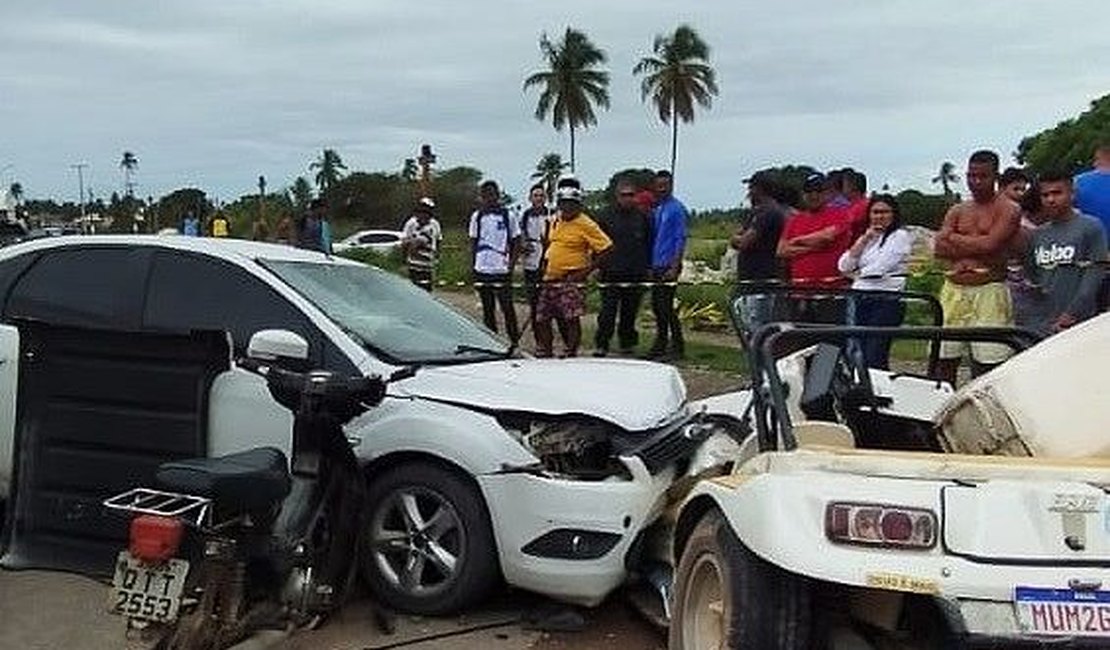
x: 877, y: 261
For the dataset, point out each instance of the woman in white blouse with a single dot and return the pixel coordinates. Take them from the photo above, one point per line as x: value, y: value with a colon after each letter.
x: 877, y: 261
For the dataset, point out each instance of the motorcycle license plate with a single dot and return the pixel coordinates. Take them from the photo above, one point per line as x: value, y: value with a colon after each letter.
x: 1063, y: 612
x: 146, y: 591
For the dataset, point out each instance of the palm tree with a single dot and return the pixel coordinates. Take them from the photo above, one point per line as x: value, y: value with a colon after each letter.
x: 548, y: 170
x: 15, y: 190
x: 329, y: 169
x: 946, y: 176
x: 301, y: 193
x: 676, y: 77
x: 571, y: 85
x: 409, y: 170
x: 128, y: 164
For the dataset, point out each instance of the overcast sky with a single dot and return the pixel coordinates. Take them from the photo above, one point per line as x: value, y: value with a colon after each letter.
x: 212, y: 93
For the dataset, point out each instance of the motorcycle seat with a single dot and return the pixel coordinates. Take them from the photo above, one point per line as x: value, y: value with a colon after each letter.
x: 247, y: 481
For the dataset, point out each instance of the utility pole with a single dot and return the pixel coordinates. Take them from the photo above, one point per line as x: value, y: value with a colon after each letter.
x: 80, y: 167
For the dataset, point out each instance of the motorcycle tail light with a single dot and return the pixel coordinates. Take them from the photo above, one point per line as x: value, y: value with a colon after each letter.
x: 874, y: 524
x: 155, y: 539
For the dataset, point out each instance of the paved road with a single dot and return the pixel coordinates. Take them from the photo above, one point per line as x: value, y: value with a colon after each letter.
x: 41, y: 610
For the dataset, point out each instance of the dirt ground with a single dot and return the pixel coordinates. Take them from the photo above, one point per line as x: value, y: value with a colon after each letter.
x: 699, y: 383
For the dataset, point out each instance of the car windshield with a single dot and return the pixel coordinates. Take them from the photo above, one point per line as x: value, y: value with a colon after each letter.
x: 389, y: 315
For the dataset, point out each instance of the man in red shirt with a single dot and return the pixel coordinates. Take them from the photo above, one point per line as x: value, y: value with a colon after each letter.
x: 813, y: 240
x: 853, y: 185
x: 811, y: 244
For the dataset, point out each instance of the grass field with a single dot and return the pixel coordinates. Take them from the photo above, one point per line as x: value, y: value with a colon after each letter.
x: 707, y: 242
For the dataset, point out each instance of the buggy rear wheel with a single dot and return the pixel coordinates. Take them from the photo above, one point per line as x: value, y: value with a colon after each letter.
x: 727, y: 597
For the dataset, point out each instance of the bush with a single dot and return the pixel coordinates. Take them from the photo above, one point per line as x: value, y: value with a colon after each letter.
x: 721, y: 229
x: 705, y: 294
x: 926, y: 277
x: 706, y: 250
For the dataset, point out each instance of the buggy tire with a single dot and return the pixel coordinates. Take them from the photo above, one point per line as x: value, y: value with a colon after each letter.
x: 428, y: 547
x: 727, y: 597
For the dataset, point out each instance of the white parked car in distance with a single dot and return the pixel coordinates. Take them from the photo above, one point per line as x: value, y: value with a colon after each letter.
x: 379, y: 241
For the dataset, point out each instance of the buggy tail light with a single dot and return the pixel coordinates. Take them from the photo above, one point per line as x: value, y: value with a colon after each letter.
x: 155, y: 539
x: 874, y: 524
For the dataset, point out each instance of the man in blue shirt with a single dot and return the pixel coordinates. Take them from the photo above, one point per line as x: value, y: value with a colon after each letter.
x: 190, y: 225
x: 668, y: 247
x: 1092, y: 196
x: 1092, y: 188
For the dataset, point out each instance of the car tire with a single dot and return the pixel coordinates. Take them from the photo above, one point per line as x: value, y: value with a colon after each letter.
x: 428, y: 545
x: 727, y: 597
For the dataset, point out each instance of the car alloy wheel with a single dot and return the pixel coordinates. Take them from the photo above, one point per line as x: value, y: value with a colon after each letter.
x: 418, y: 541
x: 428, y: 547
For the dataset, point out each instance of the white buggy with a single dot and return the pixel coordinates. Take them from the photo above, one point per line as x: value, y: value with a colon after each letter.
x: 880, y: 509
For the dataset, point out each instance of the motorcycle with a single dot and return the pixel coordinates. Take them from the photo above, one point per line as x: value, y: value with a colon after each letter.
x: 232, y: 545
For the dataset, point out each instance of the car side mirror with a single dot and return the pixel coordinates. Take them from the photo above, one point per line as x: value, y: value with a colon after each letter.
x: 277, y: 345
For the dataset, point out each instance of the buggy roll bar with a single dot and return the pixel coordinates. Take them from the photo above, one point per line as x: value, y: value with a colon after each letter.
x: 781, y: 303
x: 768, y: 383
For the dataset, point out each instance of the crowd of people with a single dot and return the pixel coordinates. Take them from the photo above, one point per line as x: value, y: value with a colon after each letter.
x: 635, y: 243
x: 1021, y: 250
x: 311, y: 229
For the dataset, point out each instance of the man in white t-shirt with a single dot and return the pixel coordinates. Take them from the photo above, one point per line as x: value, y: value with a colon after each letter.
x: 495, y: 244
x: 421, y: 236
x: 534, y: 223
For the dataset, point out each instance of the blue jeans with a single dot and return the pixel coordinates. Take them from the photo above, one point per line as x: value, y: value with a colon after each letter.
x: 878, y: 312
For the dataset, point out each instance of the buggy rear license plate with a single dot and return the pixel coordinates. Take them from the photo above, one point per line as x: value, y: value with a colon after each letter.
x: 146, y: 591
x: 1063, y: 612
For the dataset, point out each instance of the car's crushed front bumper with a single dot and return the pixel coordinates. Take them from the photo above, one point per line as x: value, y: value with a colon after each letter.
x: 530, y: 510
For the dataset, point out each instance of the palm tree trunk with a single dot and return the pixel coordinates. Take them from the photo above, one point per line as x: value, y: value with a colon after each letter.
x: 572, y: 147
x: 674, y: 141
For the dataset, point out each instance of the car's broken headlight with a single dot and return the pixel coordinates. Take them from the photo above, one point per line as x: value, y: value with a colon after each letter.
x: 575, y: 447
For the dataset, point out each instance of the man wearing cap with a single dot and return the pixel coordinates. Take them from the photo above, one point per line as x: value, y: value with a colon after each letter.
x: 420, y: 239
x: 755, y: 244
x: 575, y: 247
x: 668, y: 225
x: 757, y: 241
x: 814, y: 239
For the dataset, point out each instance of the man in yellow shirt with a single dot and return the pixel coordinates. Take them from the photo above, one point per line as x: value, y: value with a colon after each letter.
x: 220, y: 225
x: 576, y: 245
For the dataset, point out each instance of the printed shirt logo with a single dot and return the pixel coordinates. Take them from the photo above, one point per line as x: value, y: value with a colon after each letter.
x: 1054, y: 254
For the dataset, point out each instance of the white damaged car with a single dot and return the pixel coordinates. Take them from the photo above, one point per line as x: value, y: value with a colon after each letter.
x: 876, y: 509
x: 484, y: 465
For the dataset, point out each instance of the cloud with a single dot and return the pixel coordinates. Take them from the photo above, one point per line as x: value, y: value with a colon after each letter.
x: 218, y: 91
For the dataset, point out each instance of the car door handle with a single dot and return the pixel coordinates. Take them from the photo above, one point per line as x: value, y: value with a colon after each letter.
x: 354, y: 441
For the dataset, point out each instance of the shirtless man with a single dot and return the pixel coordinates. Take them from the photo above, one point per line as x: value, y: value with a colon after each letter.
x: 975, y: 240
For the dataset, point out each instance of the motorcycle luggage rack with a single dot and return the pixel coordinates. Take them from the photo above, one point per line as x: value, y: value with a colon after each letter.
x: 193, y: 510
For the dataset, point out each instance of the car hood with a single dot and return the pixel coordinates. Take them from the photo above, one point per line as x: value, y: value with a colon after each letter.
x: 634, y: 395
